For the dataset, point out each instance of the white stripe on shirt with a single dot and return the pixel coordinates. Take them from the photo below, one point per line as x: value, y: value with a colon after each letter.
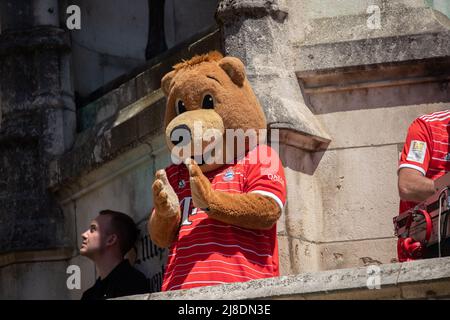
x: 407, y: 165
x: 222, y: 254
x: 270, y: 195
x: 224, y: 226
x: 221, y: 261
x: 435, y: 114
x: 223, y: 245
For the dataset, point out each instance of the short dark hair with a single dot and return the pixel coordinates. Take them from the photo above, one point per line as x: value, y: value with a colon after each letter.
x: 125, y: 228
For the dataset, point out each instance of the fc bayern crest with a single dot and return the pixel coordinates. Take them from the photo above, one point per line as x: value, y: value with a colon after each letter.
x: 181, y: 184
x: 229, y: 175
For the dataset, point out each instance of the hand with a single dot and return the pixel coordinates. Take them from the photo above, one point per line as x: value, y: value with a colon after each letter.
x: 201, y: 188
x: 164, y: 197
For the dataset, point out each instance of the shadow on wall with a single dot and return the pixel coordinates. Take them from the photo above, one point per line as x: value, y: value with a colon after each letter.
x: 300, y: 160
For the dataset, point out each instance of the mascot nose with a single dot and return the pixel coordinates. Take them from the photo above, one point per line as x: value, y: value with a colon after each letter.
x: 180, y: 134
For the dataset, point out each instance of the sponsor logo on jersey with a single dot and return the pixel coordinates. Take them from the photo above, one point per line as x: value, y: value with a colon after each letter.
x: 229, y: 175
x: 276, y: 178
x: 417, y: 151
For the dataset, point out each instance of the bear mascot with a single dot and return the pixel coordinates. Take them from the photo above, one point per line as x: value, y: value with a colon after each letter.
x: 218, y: 218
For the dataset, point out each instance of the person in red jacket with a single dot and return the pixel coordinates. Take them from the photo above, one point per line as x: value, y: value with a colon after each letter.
x: 425, y: 157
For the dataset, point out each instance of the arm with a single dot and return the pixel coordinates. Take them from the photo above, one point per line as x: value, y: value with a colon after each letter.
x: 162, y: 230
x: 413, y: 186
x: 413, y: 163
x: 251, y: 210
x: 165, y: 219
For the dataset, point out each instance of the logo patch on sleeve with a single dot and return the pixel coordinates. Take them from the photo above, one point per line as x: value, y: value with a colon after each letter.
x: 417, y: 151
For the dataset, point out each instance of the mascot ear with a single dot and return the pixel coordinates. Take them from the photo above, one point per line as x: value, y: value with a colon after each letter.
x: 166, y: 82
x: 234, y: 68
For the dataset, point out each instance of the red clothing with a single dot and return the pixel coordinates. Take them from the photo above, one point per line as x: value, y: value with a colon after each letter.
x: 209, y: 252
x: 426, y: 149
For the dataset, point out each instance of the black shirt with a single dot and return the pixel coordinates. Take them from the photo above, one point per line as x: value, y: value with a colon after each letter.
x: 123, y: 280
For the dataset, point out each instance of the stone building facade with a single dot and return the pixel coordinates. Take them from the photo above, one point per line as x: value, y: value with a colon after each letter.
x: 81, y: 121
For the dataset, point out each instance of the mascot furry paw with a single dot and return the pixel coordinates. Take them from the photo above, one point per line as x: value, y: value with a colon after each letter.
x: 218, y: 217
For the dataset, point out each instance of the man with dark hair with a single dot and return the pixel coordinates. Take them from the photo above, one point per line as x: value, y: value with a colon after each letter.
x: 109, y: 238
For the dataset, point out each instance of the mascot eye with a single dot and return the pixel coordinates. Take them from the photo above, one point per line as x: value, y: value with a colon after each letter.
x: 180, y: 107
x: 208, y: 102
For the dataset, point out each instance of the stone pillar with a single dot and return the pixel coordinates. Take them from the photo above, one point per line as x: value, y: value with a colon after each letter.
x: 256, y: 32
x: 37, y: 124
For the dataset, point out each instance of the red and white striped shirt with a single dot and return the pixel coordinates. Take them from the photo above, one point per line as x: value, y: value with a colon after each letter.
x: 427, y: 148
x: 209, y: 252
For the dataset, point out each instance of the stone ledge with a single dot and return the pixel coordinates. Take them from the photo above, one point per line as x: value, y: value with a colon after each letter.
x: 372, y: 51
x: 230, y: 9
x: 375, y: 75
x: 52, y: 254
x: 344, y: 76
x: 395, y: 20
x: 424, y: 279
x: 33, y: 39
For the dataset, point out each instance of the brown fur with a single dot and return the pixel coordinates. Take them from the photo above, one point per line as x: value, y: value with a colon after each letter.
x: 237, y: 108
x: 209, y: 57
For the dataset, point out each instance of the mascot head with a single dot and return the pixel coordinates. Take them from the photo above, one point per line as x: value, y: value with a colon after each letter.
x: 211, y: 110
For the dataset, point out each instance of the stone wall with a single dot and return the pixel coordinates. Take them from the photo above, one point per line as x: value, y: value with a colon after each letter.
x: 37, y: 124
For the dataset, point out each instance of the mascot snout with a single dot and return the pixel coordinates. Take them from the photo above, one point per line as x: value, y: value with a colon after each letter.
x: 188, y: 134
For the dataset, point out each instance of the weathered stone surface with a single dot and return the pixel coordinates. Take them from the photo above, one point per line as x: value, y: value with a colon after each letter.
x: 253, y: 31
x: 228, y: 9
x: 35, y: 281
x: 347, y: 254
x: 393, y: 121
x: 372, y: 51
x: 37, y: 124
x: 303, y: 212
x: 284, y: 253
x: 394, y: 19
x: 36, y: 38
x: 304, y: 256
x: 353, y: 181
x: 309, y: 256
x: 374, y: 86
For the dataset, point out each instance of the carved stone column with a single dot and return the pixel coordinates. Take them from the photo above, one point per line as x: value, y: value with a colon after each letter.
x: 256, y: 32
x: 37, y: 124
